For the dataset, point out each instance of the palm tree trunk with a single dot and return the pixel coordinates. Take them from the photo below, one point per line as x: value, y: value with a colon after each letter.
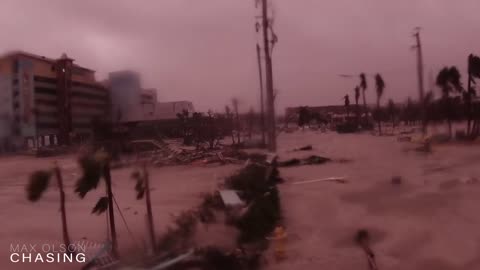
x: 469, y: 105
x: 378, y: 115
x: 364, y: 103
x: 113, y: 232
x: 66, y: 237
x: 149, y: 209
x: 357, y: 112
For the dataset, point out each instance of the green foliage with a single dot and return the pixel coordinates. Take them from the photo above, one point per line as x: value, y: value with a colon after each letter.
x: 38, y: 184
x: 261, y: 218
x: 256, y: 184
x: 91, y: 173
x: 474, y: 65
x: 449, y: 79
x: 250, y: 181
x: 101, y: 206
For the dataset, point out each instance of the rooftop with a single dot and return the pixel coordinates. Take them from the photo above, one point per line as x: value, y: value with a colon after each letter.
x: 40, y: 57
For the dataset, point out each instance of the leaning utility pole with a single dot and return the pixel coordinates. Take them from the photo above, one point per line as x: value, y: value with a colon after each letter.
x: 272, y: 138
x: 262, y: 111
x: 418, y: 47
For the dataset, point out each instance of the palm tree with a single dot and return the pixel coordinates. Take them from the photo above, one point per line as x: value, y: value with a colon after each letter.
x: 357, y: 96
x: 142, y: 187
x: 363, y: 86
x: 94, y: 166
x: 448, y: 79
x: 392, y: 110
x: 380, y: 87
x: 346, y: 99
x: 473, y: 72
x: 38, y: 183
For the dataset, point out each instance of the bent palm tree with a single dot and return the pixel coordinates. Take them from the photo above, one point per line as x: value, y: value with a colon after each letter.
x: 380, y: 87
x: 448, y: 79
x: 473, y: 72
x: 38, y: 183
x: 357, y: 96
x: 363, y: 86
x: 94, y: 167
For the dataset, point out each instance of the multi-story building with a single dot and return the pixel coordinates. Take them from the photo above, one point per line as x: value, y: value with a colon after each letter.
x: 48, y: 101
x: 132, y: 104
x: 169, y: 110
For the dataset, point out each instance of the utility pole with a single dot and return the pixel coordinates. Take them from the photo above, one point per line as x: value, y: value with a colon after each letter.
x: 262, y: 110
x: 418, y: 47
x: 272, y: 138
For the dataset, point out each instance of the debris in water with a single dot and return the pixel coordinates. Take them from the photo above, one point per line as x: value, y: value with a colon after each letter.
x: 362, y: 238
x: 311, y: 160
x: 304, y: 148
x: 397, y: 180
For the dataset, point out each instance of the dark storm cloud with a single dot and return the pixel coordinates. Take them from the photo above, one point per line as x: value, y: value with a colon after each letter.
x: 204, y: 50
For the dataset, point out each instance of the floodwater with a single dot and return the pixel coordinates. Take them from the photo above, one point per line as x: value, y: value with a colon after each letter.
x: 174, y: 189
x: 429, y: 221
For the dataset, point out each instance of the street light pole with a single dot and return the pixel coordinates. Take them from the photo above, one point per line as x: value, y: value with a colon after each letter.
x: 418, y: 48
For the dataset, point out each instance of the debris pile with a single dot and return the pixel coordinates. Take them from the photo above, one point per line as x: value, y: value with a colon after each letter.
x: 311, y: 160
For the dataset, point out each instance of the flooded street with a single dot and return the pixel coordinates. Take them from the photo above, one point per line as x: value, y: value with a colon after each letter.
x: 429, y: 221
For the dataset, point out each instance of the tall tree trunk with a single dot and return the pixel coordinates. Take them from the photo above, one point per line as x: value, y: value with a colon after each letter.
x: 378, y: 115
x: 113, y: 232
x: 469, y: 104
x: 149, y: 209
x: 357, y: 112
x: 66, y: 237
x: 364, y: 104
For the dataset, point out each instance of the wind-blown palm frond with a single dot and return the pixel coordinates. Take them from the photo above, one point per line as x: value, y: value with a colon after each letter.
x: 101, y: 206
x: 92, y: 172
x: 455, y: 79
x: 474, y: 65
x: 442, y: 81
x: 38, y: 184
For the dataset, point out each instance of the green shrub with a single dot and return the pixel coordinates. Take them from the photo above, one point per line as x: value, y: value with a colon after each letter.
x: 261, y: 218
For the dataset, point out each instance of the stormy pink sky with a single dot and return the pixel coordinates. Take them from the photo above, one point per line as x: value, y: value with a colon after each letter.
x: 204, y: 50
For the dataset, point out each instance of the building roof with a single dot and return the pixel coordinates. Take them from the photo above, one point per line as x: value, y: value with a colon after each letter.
x: 41, y: 58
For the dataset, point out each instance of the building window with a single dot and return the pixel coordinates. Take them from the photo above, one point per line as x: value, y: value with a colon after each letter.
x: 43, y: 90
x: 15, y: 66
x: 45, y: 79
